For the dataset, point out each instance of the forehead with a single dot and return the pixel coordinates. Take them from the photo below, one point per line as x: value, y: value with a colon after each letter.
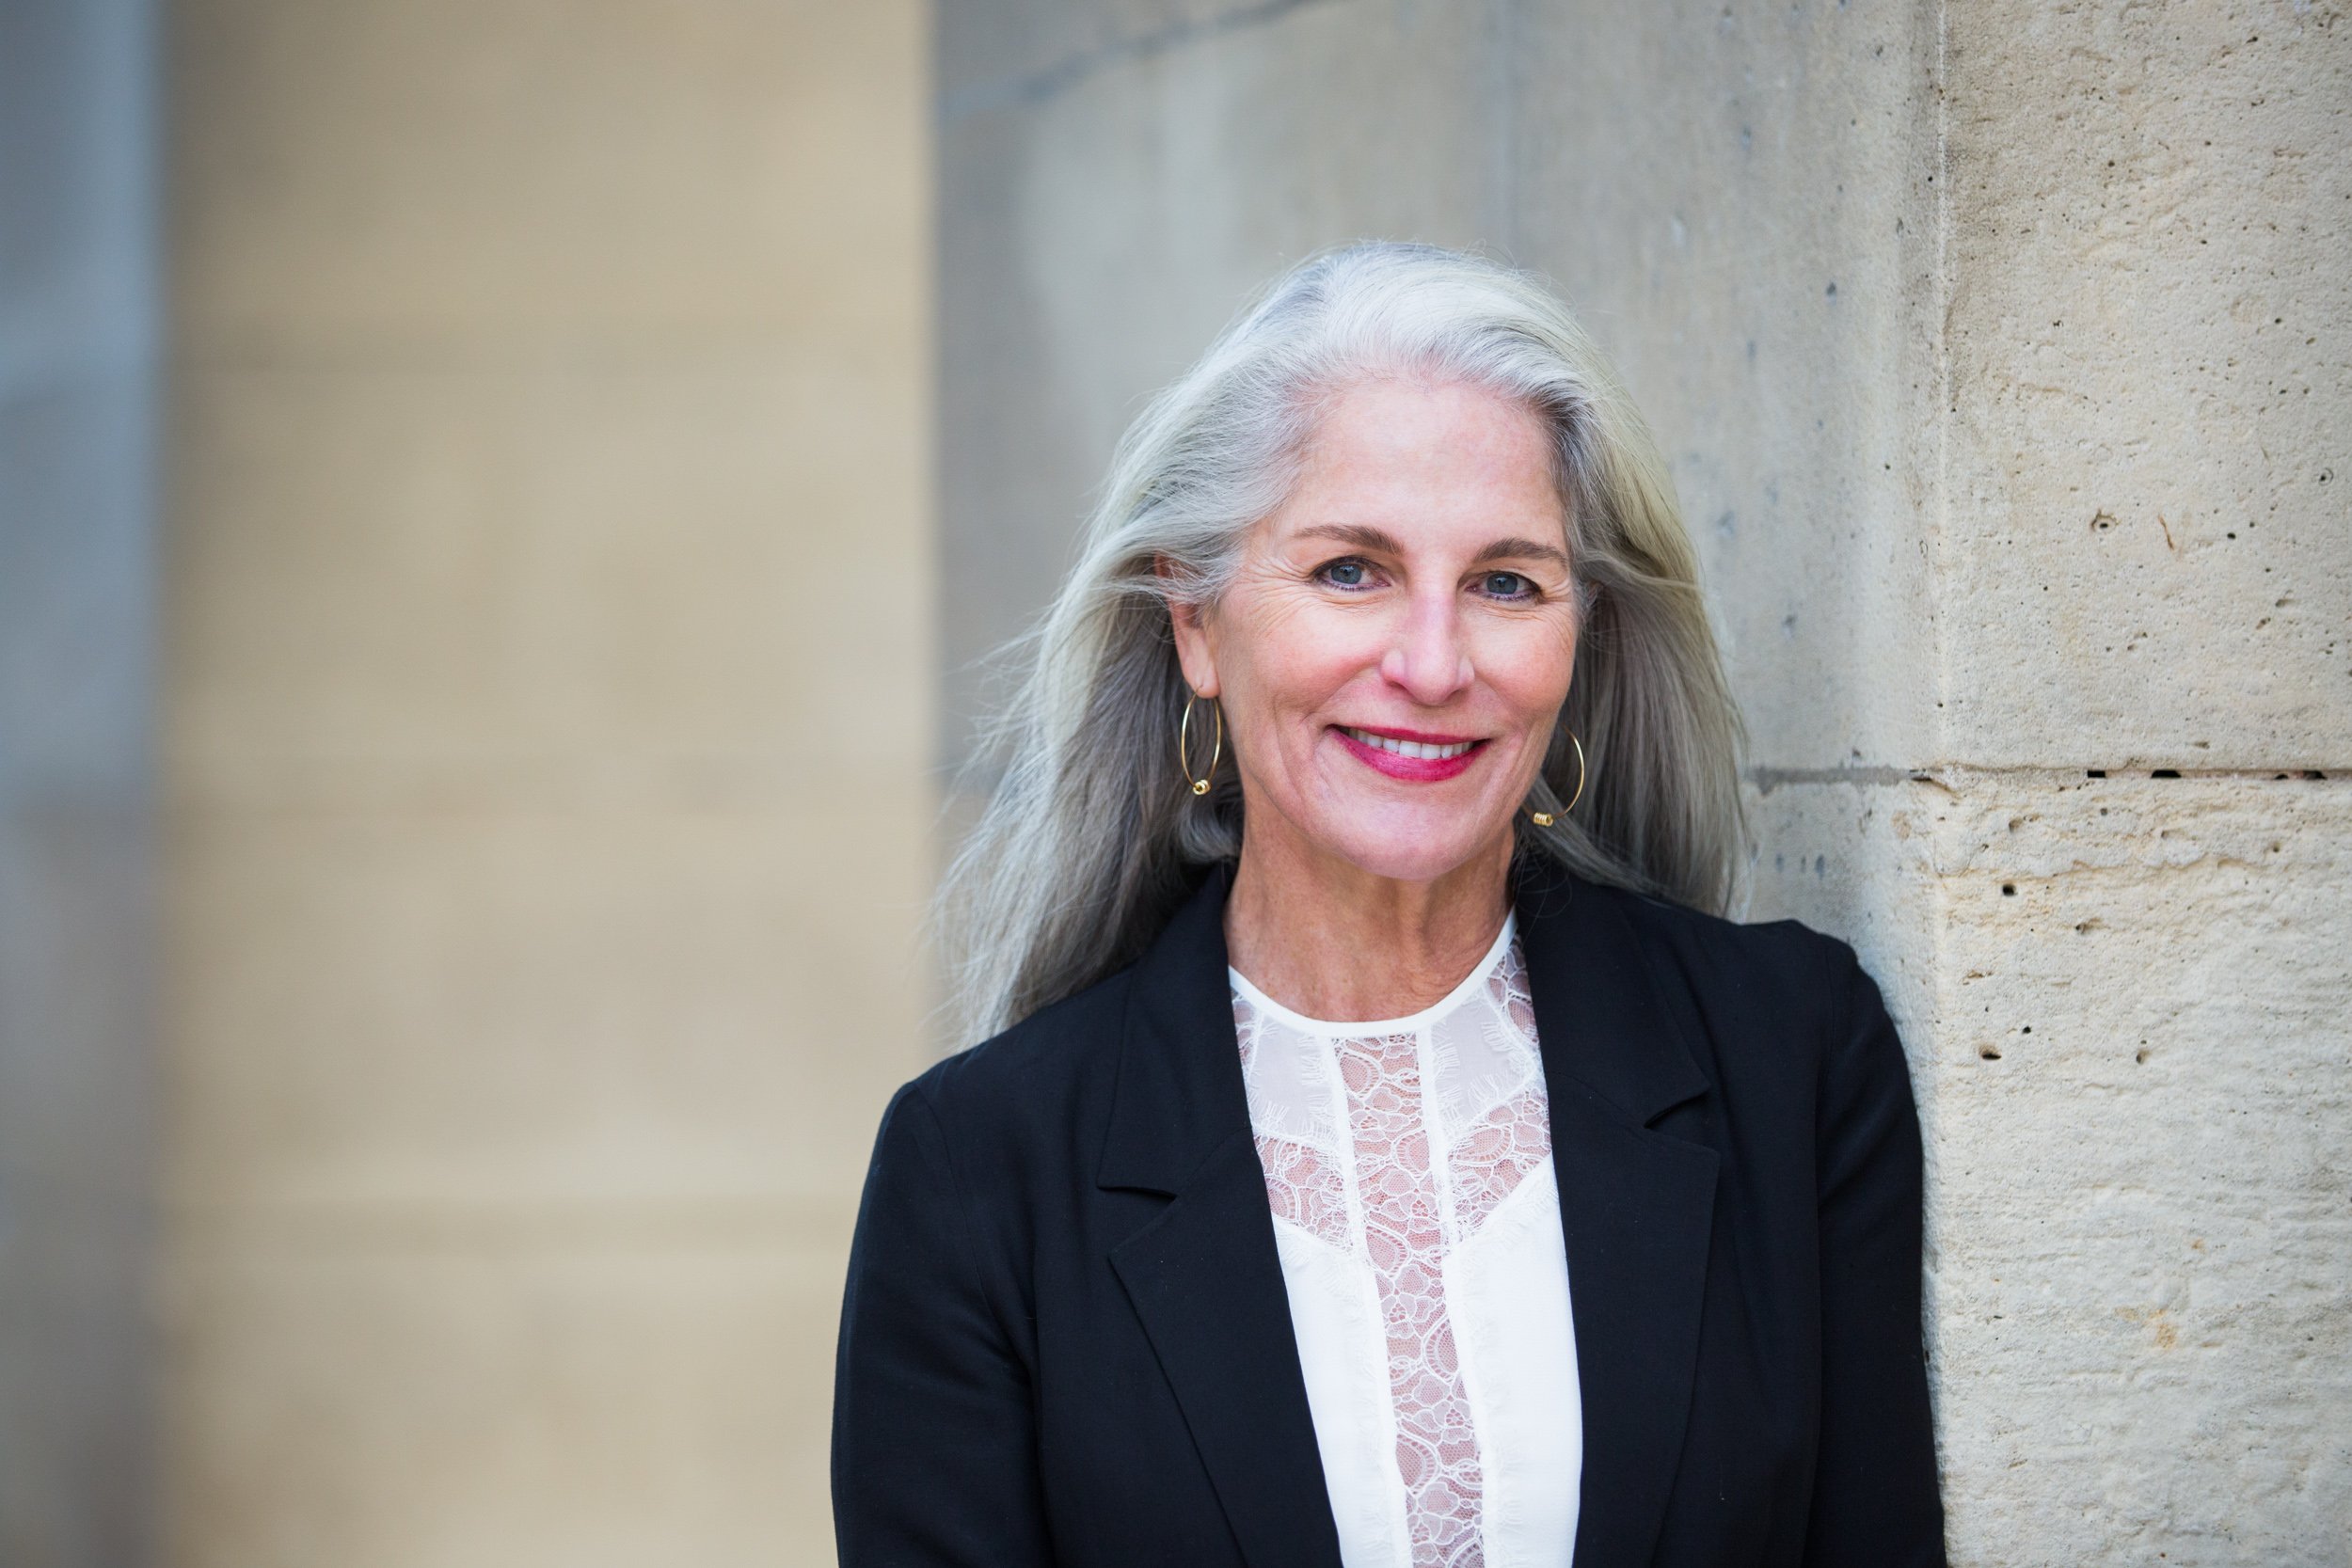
x: 1426, y: 460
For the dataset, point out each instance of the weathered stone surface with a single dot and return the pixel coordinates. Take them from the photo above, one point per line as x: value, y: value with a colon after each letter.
x: 2125, y: 1001
x: 380, y: 1004
x: 2147, y: 549
x: 2144, y: 1215
x: 1004, y: 52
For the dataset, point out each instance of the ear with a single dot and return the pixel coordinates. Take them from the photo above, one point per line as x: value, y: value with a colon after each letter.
x: 1190, y: 621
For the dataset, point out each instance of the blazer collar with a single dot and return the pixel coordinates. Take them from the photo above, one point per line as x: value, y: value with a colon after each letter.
x: 1202, y: 1275
x: 1600, y: 1013
x: 1179, y: 1093
x: 1636, y: 1204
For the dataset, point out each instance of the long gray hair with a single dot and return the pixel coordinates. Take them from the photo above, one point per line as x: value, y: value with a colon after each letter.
x: 1093, y: 833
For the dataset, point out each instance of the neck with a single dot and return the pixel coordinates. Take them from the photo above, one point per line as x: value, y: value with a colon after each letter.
x: 1329, y: 939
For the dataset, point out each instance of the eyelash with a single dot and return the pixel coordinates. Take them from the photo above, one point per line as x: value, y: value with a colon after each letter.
x: 1527, y: 594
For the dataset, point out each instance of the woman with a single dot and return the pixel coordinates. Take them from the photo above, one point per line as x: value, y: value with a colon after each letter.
x: 1384, y: 692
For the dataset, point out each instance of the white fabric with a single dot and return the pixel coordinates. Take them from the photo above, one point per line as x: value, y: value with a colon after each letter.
x: 1409, y: 1165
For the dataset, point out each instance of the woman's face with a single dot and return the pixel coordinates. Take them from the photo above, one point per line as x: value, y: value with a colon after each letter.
x: 1394, y: 650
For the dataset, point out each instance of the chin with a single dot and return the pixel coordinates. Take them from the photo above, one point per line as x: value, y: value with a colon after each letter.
x: 1409, y: 845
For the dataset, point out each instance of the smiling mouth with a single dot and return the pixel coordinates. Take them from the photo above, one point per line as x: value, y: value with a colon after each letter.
x: 1431, y: 751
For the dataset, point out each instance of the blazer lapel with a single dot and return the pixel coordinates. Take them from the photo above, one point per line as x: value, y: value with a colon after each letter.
x: 1204, y: 1276
x: 1637, y: 1205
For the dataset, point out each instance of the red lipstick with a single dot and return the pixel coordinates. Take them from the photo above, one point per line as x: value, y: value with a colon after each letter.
x: 1412, y: 769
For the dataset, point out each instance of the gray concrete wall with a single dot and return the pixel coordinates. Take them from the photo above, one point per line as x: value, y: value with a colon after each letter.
x: 78, y: 334
x: 2003, y: 353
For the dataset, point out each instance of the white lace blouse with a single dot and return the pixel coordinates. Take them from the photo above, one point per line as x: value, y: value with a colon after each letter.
x: 1408, y: 1163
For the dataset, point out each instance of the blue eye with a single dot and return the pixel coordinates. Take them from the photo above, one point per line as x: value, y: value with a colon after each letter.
x: 1508, y: 585
x: 1345, y: 573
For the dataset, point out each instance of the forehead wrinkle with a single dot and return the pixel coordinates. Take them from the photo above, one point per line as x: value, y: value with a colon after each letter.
x: 1425, y: 455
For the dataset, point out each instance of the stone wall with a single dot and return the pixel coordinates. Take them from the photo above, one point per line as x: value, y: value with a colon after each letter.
x: 2003, y: 354
x: 547, y: 764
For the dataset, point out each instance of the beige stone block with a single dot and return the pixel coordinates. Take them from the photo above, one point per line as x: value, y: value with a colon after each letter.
x: 2146, y: 1074
x: 491, y: 175
x: 2149, y: 559
x: 475, y: 1007
x: 2130, y: 1023
x: 494, y: 1400
x: 436, y: 580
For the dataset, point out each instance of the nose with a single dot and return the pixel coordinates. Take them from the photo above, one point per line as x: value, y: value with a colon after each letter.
x: 1429, y: 656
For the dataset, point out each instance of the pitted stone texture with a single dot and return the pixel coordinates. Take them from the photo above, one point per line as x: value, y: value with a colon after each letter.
x: 2126, y: 1006
x: 2144, y: 1259
x: 2148, y: 559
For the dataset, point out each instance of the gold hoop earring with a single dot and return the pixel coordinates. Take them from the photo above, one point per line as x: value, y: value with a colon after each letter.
x: 1184, y: 744
x: 1545, y: 818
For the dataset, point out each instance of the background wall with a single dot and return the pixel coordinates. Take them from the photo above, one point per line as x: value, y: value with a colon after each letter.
x: 546, y: 760
x: 79, y: 336
x: 552, y: 606
x: 2003, y: 353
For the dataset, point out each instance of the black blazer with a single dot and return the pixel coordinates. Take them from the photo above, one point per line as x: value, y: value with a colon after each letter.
x: 1066, y: 1338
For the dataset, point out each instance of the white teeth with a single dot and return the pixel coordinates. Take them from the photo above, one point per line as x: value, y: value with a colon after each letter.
x: 1410, y: 748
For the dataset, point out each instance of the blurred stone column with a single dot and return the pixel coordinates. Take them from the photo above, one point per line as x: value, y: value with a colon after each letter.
x: 79, y: 339
x: 2003, y: 355
x: 547, y: 764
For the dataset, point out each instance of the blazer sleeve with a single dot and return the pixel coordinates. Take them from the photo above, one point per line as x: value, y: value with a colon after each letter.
x: 1875, y: 1499
x: 934, y: 1447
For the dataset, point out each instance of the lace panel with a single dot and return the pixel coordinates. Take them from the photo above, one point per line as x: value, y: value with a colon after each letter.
x: 1488, y: 1165
x: 1303, y: 1184
x: 1508, y: 988
x: 1437, y: 1448
x: 1514, y: 1137
x: 1487, y: 1110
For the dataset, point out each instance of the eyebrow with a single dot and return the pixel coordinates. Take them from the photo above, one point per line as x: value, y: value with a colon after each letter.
x: 1365, y: 538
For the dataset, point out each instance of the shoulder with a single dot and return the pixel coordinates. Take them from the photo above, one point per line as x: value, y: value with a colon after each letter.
x: 1780, y: 959
x: 1776, y: 1009
x: 1784, y: 1023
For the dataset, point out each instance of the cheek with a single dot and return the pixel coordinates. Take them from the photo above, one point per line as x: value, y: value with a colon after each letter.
x: 1294, y: 658
x: 1530, y: 670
